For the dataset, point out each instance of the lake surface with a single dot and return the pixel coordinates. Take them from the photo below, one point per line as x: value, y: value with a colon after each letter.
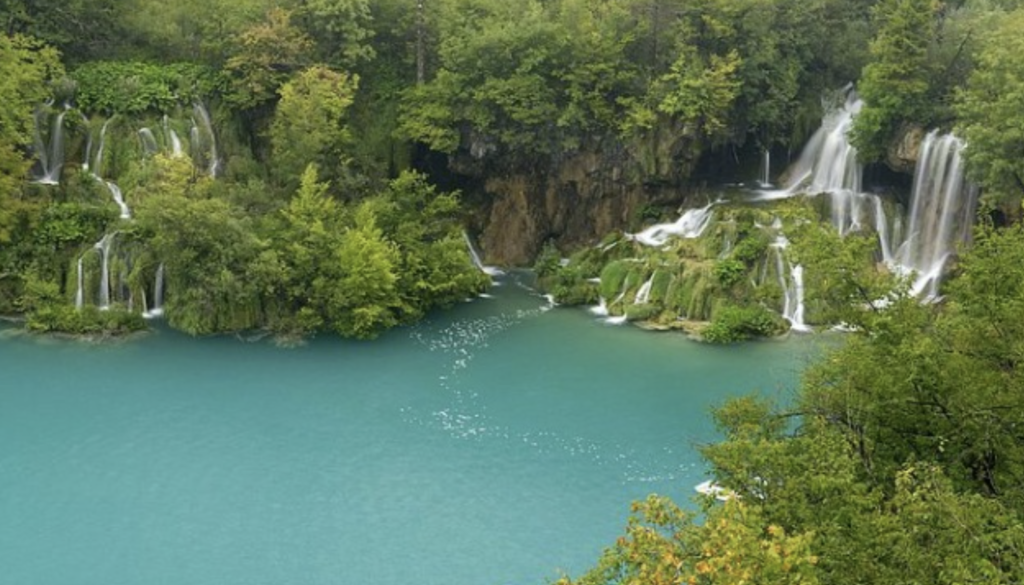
x: 500, y: 442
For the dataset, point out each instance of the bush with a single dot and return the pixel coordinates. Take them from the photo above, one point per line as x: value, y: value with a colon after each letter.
x: 62, y: 318
x: 729, y: 272
x: 732, y: 323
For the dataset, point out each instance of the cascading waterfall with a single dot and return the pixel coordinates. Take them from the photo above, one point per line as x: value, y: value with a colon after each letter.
x: 828, y: 164
x: 941, y: 212
x: 690, y: 225
x: 103, y: 246
x: 792, y: 286
x: 51, y: 156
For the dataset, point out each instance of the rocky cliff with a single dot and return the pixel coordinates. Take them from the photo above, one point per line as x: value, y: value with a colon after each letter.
x: 576, y: 199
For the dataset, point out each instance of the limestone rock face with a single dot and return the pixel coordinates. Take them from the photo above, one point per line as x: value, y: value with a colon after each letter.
x: 580, y: 198
x: 905, y: 150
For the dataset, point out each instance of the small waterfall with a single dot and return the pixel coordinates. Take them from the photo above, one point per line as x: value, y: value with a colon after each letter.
x: 941, y: 212
x: 158, y: 289
x: 691, y: 225
x: 88, y: 143
x: 103, y: 246
x: 176, y: 150
x: 172, y: 138
x: 51, y: 156
x: 115, y: 192
x: 149, y: 143
x: 765, y: 168
x: 158, y: 295
x: 204, y: 120
x: 601, y: 310
x: 80, y: 292
x: 97, y: 165
x: 643, y: 295
x: 792, y: 286
x: 475, y: 257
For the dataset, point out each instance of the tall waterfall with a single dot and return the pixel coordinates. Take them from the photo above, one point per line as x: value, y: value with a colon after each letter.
x: 51, y: 153
x: 941, y: 212
x: 202, y: 130
x: 103, y: 246
x: 690, y: 225
x: 80, y: 292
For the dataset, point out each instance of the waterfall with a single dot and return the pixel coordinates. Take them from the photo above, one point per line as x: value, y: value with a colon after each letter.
x: 644, y: 294
x: 475, y: 257
x: 176, y: 149
x: 882, y: 229
x: 829, y: 162
x: 172, y: 138
x: 204, y: 120
x: 766, y: 168
x: 158, y: 295
x: 97, y: 165
x: 80, y: 292
x: 691, y: 225
x: 88, y: 143
x: 103, y: 246
x: 158, y: 289
x: 149, y: 143
x: 941, y: 212
x: 51, y: 157
x: 115, y: 192
x: 601, y: 310
x: 792, y: 286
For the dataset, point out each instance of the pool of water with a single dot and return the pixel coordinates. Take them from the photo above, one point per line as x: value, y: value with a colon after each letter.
x: 500, y: 442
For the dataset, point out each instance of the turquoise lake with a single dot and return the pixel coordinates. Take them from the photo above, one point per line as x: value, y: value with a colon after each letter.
x: 501, y: 442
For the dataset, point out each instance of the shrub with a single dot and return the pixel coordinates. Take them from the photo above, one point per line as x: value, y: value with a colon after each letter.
x: 732, y: 323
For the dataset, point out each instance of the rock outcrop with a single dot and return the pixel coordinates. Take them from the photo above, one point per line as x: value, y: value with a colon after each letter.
x: 576, y: 200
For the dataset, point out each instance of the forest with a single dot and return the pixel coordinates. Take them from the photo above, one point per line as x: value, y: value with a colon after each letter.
x: 313, y: 166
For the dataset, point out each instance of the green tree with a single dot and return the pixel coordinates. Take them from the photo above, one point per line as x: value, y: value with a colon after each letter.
x: 894, y: 84
x: 341, y: 29
x: 989, y: 112
x: 263, y: 57
x: 310, y: 123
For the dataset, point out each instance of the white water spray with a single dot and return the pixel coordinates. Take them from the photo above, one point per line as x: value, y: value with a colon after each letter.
x: 690, y: 225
